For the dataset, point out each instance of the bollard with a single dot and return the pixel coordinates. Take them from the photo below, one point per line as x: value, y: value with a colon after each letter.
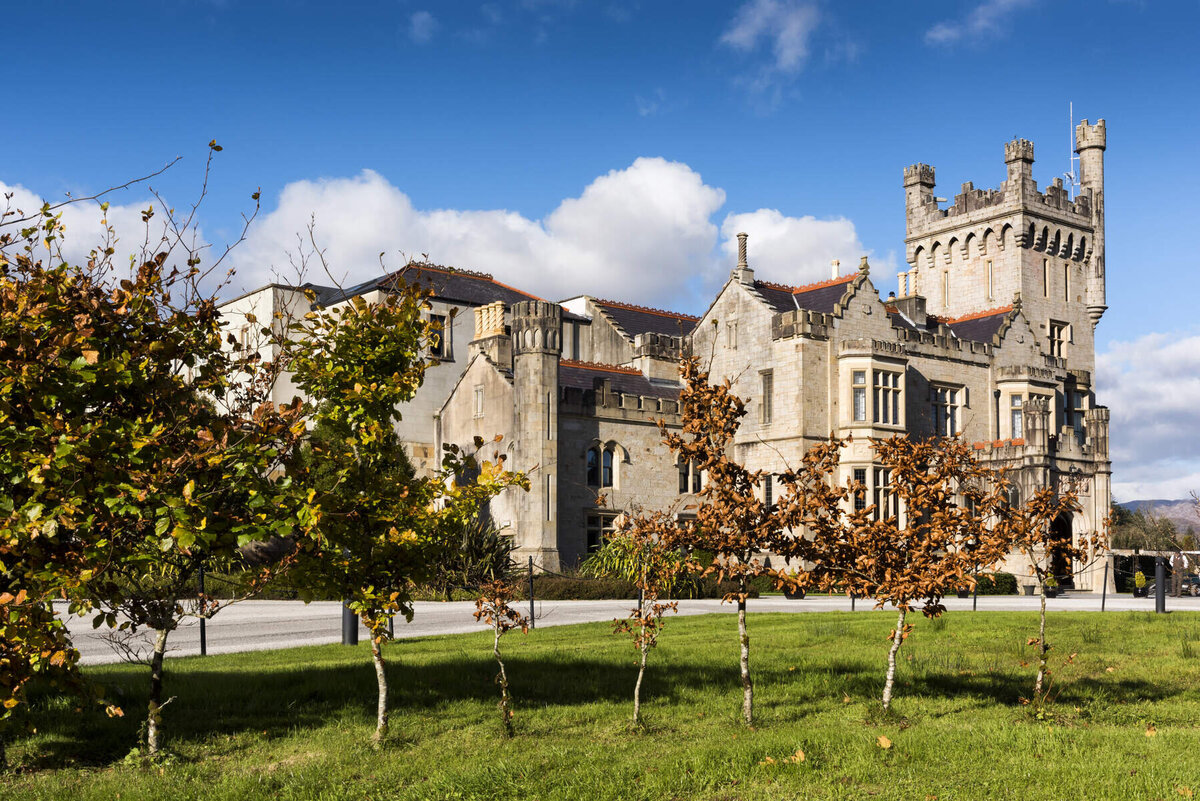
x: 1104, y: 587
x: 975, y: 597
x: 1160, y: 585
x: 532, y: 617
x: 851, y: 602
x: 203, y: 633
x: 349, y: 625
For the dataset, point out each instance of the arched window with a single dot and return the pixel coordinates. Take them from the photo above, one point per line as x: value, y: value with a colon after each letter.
x: 601, y: 469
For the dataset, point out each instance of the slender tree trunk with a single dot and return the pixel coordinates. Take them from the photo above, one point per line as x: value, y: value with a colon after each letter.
x: 502, y: 680
x: 381, y: 713
x: 3, y: 753
x: 154, y: 708
x: 747, y: 685
x: 891, y: 671
x: 1043, y: 649
x: 637, y: 688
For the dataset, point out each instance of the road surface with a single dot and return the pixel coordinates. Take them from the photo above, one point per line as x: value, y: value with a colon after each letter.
x: 265, y: 625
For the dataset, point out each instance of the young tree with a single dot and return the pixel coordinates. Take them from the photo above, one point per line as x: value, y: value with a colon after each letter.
x: 381, y: 527
x: 1029, y: 527
x: 733, y: 522
x: 493, y: 606
x: 638, y: 551
x: 928, y: 535
x: 130, y: 437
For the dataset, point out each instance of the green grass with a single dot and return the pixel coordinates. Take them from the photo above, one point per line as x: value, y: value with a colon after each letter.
x: 295, y: 724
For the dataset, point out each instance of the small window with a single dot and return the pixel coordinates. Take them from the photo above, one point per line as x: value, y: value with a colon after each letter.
x: 887, y: 397
x: 439, y: 345
x: 768, y: 390
x: 769, y: 491
x: 885, y: 501
x: 593, y: 467
x: 946, y: 288
x: 990, y: 282
x: 860, y: 491
x: 1060, y: 335
x: 606, y: 469
x: 479, y: 401
x: 731, y: 338
x: 689, y: 478
x: 1045, y: 278
x: 1017, y: 403
x: 600, y: 526
x: 1067, y: 281
x: 945, y: 411
x: 860, y: 396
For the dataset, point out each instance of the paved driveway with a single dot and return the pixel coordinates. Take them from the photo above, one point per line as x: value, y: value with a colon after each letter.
x: 264, y: 625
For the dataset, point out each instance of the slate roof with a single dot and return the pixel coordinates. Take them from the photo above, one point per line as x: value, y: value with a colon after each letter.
x: 980, y: 327
x: 819, y: 297
x: 635, y: 320
x: 447, y: 284
x: 625, y: 380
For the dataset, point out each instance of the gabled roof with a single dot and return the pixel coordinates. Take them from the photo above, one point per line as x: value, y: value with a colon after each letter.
x: 980, y: 326
x: 822, y: 296
x: 446, y: 283
x: 634, y: 320
x: 626, y: 380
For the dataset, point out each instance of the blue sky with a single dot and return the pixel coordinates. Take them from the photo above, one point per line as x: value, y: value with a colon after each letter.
x: 615, y: 147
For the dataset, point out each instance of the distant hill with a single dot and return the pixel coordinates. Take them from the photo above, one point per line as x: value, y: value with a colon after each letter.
x: 1181, y: 512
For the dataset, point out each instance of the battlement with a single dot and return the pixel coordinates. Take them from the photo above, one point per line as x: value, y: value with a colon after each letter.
x: 1090, y: 136
x: 921, y: 174
x: 801, y: 323
x: 658, y: 346
x: 1018, y: 150
x: 942, y: 344
x: 536, y: 327
x: 609, y: 403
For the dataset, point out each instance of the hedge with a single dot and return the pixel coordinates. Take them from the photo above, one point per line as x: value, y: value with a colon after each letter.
x: 997, y: 584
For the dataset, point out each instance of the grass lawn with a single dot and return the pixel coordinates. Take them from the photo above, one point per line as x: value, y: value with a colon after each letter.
x: 296, y: 724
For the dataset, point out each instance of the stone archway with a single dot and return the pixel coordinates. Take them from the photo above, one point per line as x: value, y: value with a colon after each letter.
x: 1060, y: 564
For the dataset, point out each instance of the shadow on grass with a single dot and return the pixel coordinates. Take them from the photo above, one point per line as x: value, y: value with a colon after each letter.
x: 274, y: 700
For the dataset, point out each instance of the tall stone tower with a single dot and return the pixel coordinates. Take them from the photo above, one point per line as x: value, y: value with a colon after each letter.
x: 1090, y: 141
x: 536, y: 348
x: 991, y: 244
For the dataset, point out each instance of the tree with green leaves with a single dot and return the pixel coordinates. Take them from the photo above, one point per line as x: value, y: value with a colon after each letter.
x: 381, y: 528
x: 133, y: 442
x: 639, y: 551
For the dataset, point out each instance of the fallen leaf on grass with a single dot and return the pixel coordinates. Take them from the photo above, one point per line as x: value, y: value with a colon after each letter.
x: 845, y: 698
x: 1186, y: 792
x: 1151, y: 731
x: 884, y: 742
x: 1109, y: 669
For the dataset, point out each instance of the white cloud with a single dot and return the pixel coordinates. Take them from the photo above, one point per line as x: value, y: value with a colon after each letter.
x: 1151, y: 384
x: 988, y: 18
x: 793, y: 250
x: 646, y: 234
x: 421, y: 26
x: 84, y: 228
x: 786, y: 26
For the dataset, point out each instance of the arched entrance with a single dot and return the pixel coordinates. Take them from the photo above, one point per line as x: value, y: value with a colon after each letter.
x: 1060, y: 564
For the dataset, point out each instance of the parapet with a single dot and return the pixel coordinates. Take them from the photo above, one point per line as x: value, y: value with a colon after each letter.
x: 801, y: 323
x: 1090, y: 136
x: 922, y: 174
x: 658, y: 346
x: 536, y: 327
x: 606, y: 402
x: 1018, y: 150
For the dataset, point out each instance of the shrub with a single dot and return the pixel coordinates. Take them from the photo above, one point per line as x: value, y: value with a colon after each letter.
x: 997, y: 584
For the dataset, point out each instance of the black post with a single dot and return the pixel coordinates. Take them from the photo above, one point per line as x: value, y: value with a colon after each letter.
x: 391, y: 627
x: 975, y: 596
x: 1104, y: 587
x: 851, y: 602
x: 1160, y: 585
x: 349, y: 625
x: 203, y: 633
x: 532, y: 617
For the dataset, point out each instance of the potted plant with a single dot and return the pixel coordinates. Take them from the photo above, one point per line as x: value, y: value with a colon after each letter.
x: 964, y: 592
x: 791, y: 590
x: 1139, y: 585
x: 1050, y: 585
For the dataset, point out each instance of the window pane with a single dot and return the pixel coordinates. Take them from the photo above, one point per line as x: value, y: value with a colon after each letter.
x: 860, y: 404
x: 607, y: 473
x: 593, y: 468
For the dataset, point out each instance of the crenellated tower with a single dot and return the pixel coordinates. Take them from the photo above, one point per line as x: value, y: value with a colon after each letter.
x: 536, y: 349
x: 987, y: 245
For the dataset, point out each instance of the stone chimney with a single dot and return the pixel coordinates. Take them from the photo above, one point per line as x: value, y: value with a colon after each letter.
x: 491, y: 339
x: 742, y: 273
x: 835, y: 268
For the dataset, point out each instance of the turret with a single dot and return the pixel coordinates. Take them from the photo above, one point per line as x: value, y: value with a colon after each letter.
x: 1090, y: 142
x: 918, y: 185
x: 1018, y: 155
x: 536, y: 348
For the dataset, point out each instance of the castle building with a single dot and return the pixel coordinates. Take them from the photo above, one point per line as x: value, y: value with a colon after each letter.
x: 989, y: 338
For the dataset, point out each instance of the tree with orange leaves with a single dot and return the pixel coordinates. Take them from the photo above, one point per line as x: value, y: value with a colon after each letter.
x: 733, y: 522
x: 929, y: 533
x: 494, y: 607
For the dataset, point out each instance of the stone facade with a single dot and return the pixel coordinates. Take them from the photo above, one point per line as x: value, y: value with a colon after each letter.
x: 990, y: 339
